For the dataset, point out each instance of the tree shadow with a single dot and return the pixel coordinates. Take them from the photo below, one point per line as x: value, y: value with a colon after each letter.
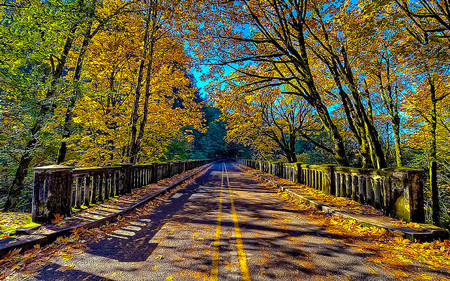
x: 53, y: 272
x: 133, y: 245
x: 310, y: 255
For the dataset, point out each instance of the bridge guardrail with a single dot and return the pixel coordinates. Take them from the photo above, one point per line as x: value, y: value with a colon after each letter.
x: 61, y: 189
x: 396, y: 191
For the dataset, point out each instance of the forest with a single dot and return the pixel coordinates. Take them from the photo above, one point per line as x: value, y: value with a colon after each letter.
x: 360, y: 83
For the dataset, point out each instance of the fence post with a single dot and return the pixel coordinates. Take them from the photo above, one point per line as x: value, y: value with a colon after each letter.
x: 331, y: 184
x: 297, y: 172
x: 170, y: 168
x: 125, y: 177
x: 406, y: 193
x: 52, y: 192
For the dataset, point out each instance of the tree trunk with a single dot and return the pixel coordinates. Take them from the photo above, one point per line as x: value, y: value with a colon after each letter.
x: 111, y: 103
x: 76, y: 79
x: 371, y: 133
x: 333, y: 132
x: 15, y: 190
x: 147, y: 95
x: 390, y: 100
x: 388, y: 143
x: 292, y: 158
x: 133, y: 149
x: 433, y: 158
x: 397, y: 145
x: 365, y: 154
x: 313, y: 98
x: 362, y: 117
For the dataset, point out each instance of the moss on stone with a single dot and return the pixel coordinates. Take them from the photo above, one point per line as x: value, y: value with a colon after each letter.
x: 402, y: 209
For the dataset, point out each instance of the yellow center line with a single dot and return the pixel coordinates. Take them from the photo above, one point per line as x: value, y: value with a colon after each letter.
x: 215, y: 258
x: 239, y: 244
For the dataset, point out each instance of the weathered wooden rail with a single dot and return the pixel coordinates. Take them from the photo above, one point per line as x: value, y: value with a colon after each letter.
x: 63, y: 189
x: 396, y: 191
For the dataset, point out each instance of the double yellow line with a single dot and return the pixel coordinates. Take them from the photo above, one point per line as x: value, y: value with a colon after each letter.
x: 237, y: 231
x: 215, y: 257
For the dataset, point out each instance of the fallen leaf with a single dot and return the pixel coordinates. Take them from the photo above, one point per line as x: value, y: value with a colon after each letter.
x: 57, y: 218
x: 66, y: 267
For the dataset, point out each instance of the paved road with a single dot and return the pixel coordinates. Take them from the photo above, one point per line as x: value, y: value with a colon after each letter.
x: 224, y: 226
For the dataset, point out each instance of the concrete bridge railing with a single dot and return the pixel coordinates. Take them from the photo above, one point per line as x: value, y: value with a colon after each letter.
x: 396, y: 191
x: 63, y: 189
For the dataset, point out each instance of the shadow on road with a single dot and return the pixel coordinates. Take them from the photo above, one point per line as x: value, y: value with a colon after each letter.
x: 277, y: 248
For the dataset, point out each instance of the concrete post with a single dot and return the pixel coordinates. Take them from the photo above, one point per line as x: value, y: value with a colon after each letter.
x: 52, y: 192
x: 125, y: 177
x: 406, y: 194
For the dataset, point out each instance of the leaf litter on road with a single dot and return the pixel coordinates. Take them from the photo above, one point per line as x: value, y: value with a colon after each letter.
x: 19, y: 266
x: 402, y: 258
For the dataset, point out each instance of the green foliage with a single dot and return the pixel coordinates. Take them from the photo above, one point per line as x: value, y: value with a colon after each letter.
x: 210, y: 144
x: 68, y: 75
x: 33, y: 37
x: 176, y: 150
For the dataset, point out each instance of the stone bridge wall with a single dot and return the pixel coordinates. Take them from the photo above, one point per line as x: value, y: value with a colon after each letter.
x: 396, y: 191
x: 63, y: 189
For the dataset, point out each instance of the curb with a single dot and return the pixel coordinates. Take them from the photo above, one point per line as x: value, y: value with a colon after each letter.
x: 42, y: 239
x: 426, y: 235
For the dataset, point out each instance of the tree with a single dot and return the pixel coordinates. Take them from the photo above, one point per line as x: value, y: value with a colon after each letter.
x: 210, y: 144
x: 68, y: 77
x: 308, y: 48
x: 38, y: 40
x: 429, y: 31
x: 266, y: 120
x: 98, y: 16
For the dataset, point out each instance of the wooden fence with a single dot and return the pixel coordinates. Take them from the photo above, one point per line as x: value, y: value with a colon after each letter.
x: 63, y: 189
x: 396, y: 191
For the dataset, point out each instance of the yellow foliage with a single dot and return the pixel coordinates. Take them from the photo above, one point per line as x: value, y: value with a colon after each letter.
x: 101, y: 117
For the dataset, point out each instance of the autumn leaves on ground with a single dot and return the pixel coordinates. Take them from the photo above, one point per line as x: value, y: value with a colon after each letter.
x: 382, y: 250
x: 26, y: 265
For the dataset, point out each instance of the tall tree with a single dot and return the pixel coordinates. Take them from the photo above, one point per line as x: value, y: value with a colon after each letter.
x: 267, y: 120
x: 429, y: 32
x: 53, y: 26
x: 97, y: 18
x: 161, y: 17
x: 309, y: 49
x: 102, y: 115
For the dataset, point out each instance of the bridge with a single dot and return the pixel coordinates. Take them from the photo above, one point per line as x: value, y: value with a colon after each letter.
x: 217, y: 222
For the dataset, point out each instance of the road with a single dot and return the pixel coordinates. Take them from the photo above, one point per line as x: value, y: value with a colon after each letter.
x: 223, y: 226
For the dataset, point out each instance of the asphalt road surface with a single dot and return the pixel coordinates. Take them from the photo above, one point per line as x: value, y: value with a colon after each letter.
x: 223, y: 226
